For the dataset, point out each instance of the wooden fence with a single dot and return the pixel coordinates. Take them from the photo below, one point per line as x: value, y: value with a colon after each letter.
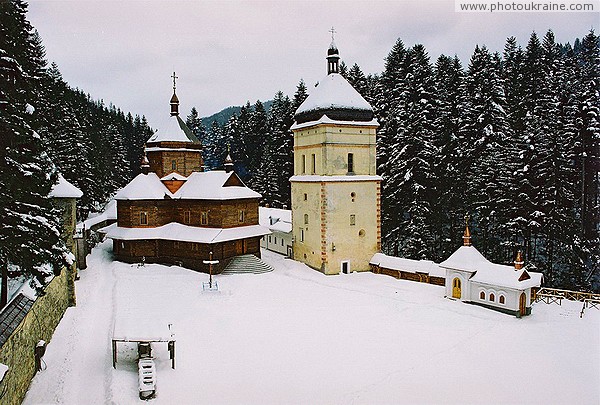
x: 555, y: 296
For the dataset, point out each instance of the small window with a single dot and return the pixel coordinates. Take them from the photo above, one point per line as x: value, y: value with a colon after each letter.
x: 301, y: 235
x: 305, y: 196
x: 352, y: 219
x: 204, y: 218
x: 173, y: 165
x: 275, y: 237
x: 241, y: 216
x: 492, y: 297
x: 143, y: 218
x: 282, y: 242
x: 186, y: 217
x: 269, y: 238
x: 482, y: 295
x: 350, y: 162
x: 176, y: 244
x: 303, y: 164
x: 305, y: 219
x: 501, y: 299
x: 313, y: 164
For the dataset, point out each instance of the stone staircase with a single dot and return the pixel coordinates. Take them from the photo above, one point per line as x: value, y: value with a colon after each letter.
x: 246, y: 264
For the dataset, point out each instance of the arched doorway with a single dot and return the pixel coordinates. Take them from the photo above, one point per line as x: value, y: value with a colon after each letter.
x: 523, y: 304
x: 456, y: 288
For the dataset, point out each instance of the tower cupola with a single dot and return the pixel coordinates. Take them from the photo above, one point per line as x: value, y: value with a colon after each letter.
x: 467, y: 234
x: 333, y: 56
x: 174, y: 100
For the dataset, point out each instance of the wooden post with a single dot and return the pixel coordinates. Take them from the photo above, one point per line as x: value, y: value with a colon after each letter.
x: 114, y: 353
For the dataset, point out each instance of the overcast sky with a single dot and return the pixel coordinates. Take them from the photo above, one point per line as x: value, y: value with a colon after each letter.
x: 228, y: 52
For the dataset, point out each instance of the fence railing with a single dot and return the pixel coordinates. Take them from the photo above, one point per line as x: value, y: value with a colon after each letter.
x: 555, y: 296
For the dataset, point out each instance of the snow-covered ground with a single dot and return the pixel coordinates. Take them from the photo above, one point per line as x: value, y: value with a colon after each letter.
x: 295, y: 336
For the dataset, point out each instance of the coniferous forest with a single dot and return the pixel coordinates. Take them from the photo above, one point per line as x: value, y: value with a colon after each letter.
x: 509, y: 138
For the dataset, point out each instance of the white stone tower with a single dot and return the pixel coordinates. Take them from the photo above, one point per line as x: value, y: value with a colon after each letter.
x: 336, y: 211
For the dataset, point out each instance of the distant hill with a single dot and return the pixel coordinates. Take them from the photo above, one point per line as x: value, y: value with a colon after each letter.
x: 223, y: 116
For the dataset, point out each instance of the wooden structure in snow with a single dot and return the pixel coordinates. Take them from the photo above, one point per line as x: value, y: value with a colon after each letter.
x: 139, y: 331
x: 175, y: 213
x: 423, y: 271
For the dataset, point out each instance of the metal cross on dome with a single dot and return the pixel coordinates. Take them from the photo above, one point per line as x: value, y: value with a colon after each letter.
x: 333, y: 31
x: 174, y: 78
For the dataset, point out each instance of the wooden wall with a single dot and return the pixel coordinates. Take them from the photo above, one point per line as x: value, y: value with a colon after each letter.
x: 405, y: 275
x: 221, y: 214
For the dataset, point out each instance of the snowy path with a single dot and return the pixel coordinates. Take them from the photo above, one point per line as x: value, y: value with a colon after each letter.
x: 77, y: 374
x: 294, y: 336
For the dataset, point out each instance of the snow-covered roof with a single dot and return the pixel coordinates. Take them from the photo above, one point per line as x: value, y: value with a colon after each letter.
x: 198, y: 186
x: 408, y: 265
x: 174, y: 130
x: 211, y: 186
x: 326, y: 120
x: 130, y: 327
x: 468, y: 258
x: 110, y: 213
x: 334, y: 92
x: 275, y: 219
x: 174, y: 176
x: 185, y: 233
x: 315, y: 178
x: 143, y: 187
x: 64, y: 189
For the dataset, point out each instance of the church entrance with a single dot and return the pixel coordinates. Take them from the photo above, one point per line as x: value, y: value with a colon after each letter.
x: 456, y: 290
x: 241, y: 247
x: 523, y: 304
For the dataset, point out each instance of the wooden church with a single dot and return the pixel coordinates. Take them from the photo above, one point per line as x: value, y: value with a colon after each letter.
x: 175, y: 213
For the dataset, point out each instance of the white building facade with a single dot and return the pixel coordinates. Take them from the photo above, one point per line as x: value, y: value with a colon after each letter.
x: 470, y: 277
x: 279, y: 222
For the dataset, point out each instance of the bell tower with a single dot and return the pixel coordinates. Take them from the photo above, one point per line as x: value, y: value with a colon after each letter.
x: 336, y: 213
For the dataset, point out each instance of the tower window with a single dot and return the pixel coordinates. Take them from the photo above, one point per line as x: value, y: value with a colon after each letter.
x: 350, y: 162
x: 173, y: 165
x: 305, y: 196
x: 186, y: 217
x: 143, y: 218
x: 204, y: 218
x: 303, y: 164
x: 305, y: 219
x: 301, y: 235
x: 313, y: 164
x: 352, y: 219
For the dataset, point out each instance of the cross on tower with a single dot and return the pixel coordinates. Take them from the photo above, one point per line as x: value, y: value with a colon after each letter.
x: 174, y: 78
x: 333, y: 31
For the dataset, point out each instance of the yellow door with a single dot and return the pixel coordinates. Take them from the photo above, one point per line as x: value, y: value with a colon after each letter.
x: 456, y: 288
x: 523, y: 304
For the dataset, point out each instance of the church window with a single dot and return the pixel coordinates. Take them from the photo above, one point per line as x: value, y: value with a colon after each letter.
x: 305, y: 196
x: 173, y: 165
x: 269, y: 238
x: 305, y: 219
x: 176, y: 244
x: 352, y: 219
x: 275, y: 237
x: 313, y: 166
x: 241, y: 216
x: 186, y: 217
x: 143, y: 218
x: 492, y: 297
x: 281, y: 241
x: 353, y: 195
x: 482, y: 295
x: 350, y: 162
x: 303, y: 164
x: 502, y: 299
x: 204, y: 218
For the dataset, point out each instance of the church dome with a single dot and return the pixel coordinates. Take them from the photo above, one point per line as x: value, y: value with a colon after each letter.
x: 337, y: 99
